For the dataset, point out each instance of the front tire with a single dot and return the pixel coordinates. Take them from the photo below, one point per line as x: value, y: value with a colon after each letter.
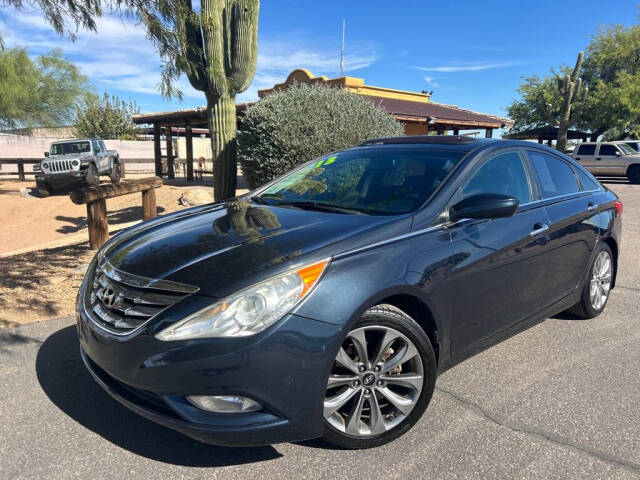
x: 597, y: 285
x: 92, y: 178
x: 381, y: 382
x: 44, y: 189
x: 634, y: 175
x: 115, y: 173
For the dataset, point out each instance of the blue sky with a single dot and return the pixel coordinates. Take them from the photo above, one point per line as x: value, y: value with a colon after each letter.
x: 471, y: 54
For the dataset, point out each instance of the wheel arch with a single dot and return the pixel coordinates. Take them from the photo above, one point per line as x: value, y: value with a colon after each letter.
x: 411, y: 301
x: 420, y: 312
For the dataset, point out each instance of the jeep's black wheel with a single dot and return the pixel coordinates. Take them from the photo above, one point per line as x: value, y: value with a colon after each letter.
x: 92, y: 177
x: 115, y: 173
x: 597, y: 285
x: 44, y: 188
x: 634, y: 175
x: 381, y: 382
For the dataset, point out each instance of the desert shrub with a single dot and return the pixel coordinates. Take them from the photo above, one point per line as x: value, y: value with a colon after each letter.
x: 288, y: 128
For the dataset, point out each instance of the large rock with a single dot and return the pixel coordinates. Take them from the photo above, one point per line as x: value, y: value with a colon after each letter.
x: 196, y: 196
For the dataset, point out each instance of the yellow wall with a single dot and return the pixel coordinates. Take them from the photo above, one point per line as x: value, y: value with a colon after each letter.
x: 352, y: 84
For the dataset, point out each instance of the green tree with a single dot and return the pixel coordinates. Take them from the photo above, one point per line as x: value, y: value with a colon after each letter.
x: 106, y: 117
x: 40, y: 92
x: 216, y: 48
x: 65, y: 16
x: 611, y: 70
x: 611, y: 73
x: 288, y: 128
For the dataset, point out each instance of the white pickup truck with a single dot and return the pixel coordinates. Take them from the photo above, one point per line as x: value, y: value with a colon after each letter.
x: 75, y: 161
x: 609, y: 159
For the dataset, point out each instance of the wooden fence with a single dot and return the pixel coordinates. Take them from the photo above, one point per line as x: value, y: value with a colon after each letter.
x: 95, y: 199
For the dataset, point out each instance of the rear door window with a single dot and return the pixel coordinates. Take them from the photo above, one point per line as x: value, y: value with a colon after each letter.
x: 556, y: 177
x: 587, y: 181
x: 503, y: 174
x: 586, y: 150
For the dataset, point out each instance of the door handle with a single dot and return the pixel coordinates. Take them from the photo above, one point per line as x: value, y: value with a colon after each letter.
x: 598, y: 158
x: 591, y: 206
x: 539, y: 228
x: 577, y: 158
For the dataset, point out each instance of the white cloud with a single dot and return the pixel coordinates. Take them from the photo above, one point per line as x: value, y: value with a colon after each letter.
x: 119, y: 55
x: 431, y: 81
x: 476, y: 67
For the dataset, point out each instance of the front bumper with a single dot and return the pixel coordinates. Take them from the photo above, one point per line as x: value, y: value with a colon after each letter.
x: 283, y: 368
x: 63, y: 178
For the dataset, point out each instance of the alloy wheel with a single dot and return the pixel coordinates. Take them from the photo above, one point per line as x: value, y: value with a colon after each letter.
x: 375, y: 382
x: 600, y: 280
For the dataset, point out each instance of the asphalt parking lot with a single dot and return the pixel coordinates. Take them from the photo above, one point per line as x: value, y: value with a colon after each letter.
x: 561, y: 400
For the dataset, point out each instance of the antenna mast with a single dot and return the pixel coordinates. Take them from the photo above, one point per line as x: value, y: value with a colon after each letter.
x: 344, y: 26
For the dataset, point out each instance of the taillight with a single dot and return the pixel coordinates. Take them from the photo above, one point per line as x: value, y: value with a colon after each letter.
x: 618, y: 205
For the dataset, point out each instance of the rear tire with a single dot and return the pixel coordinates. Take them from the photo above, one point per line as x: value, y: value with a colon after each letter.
x: 387, y: 385
x: 634, y: 175
x: 92, y: 177
x: 115, y: 173
x: 597, y: 284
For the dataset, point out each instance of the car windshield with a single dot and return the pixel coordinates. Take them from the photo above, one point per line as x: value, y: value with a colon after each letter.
x: 369, y: 181
x: 627, y: 149
x: 70, y: 148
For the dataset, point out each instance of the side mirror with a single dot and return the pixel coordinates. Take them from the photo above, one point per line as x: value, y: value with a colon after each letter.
x: 46, y: 154
x: 619, y: 154
x: 484, y: 205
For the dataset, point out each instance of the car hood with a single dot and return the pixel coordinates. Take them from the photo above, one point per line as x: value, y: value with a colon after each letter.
x: 69, y: 156
x: 222, y: 248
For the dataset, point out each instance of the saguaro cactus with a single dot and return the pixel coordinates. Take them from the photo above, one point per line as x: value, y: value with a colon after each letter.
x: 570, y: 88
x: 220, y: 46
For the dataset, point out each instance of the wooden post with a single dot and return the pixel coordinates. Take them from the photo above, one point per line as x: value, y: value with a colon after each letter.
x: 188, y: 132
x: 167, y: 134
x: 149, y: 209
x: 488, y: 133
x: 157, y: 152
x: 98, y: 225
x: 21, y: 170
x: 95, y: 199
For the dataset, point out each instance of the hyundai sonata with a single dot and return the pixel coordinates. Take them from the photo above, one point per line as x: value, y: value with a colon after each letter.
x: 327, y: 302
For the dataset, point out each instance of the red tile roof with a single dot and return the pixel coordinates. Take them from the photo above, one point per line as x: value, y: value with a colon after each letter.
x: 440, y: 113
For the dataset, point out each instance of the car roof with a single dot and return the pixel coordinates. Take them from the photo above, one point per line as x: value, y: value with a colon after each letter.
x: 455, y: 142
x: 69, y: 140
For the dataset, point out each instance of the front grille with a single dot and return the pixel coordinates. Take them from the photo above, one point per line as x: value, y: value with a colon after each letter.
x: 121, y: 303
x: 60, y: 166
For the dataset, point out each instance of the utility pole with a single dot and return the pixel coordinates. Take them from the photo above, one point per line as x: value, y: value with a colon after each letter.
x: 344, y: 27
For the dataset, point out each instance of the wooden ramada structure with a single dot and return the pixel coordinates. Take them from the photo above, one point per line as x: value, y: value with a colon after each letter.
x: 416, y: 111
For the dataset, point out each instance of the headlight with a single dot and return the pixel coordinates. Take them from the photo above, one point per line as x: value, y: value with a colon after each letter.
x: 75, y: 163
x: 249, y: 311
x: 45, y: 166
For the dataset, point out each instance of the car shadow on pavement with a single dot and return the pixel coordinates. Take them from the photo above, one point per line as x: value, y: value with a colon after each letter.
x: 69, y: 386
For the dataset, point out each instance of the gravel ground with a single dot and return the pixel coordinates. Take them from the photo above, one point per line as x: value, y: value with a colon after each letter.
x: 561, y: 400
x: 32, y: 221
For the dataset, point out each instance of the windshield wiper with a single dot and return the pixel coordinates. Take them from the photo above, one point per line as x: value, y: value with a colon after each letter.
x: 320, y: 206
x: 258, y: 200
